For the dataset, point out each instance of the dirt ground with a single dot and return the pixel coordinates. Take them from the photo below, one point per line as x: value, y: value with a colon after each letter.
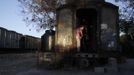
x: 26, y: 64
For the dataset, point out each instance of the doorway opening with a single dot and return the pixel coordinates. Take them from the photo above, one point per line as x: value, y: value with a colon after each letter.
x: 87, y: 18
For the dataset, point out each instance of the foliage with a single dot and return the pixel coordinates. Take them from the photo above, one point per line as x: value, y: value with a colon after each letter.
x: 127, y: 12
x: 42, y: 13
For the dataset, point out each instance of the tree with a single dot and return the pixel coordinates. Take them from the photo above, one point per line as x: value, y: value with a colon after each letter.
x: 127, y: 12
x: 42, y: 13
x: 127, y: 18
x: 126, y: 23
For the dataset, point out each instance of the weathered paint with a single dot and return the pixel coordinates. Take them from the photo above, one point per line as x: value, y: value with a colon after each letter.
x: 64, y: 32
x: 109, y: 34
x: 107, y: 14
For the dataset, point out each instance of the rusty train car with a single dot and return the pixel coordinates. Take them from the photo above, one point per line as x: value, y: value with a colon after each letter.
x: 9, y: 39
x: 100, y: 31
x: 29, y: 42
x: 13, y: 41
x: 47, y: 41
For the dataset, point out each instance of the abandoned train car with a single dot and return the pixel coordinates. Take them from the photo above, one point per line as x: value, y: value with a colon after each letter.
x: 29, y: 42
x: 9, y: 39
x: 12, y: 41
x: 47, y: 41
x: 86, y: 30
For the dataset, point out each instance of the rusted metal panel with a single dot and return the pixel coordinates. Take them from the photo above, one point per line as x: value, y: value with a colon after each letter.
x: 3, y: 37
x: 109, y: 28
x: 7, y: 39
x: 64, y: 32
x: 0, y: 39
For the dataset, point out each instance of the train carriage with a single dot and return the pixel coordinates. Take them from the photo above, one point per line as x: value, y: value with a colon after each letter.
x: 11, y: 41
x: 87, y: 31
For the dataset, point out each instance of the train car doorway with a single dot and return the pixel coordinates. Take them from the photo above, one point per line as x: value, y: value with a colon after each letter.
x: 87, y: 18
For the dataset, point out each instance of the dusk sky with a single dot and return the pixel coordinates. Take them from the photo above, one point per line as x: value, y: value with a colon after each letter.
x: 11, y: 18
